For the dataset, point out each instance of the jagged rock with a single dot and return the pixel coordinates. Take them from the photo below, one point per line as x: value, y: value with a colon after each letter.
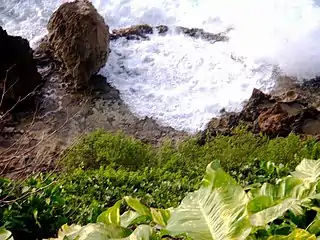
x: 79, y: 39
x: 139, y: 32
x: 293, y: 111
x: 274, y: 121
x: 19, y: 77
x: 200, y: 33
x: 287, y: 97
x: 253, y: 107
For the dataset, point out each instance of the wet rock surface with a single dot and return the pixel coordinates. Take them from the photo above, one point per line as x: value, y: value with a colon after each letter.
x: 34, y: 142
x: 142, y: 32
x: 287, y: 110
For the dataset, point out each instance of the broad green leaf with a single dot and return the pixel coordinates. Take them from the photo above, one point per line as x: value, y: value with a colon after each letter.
x: 100, y: 231
x: 297, y: 234
x: 273, y: 201
x: 308, y: 170
x: 92, y: 231
x: 5, y: 234
x: 128, y: 218
x: 216, y: 211
x: 142, y: 232
x: 268, y: 215
x: 285, y: 188
x: 160, y: 216
x: 68, y: 230
x: 136, y: 205
x: 215, y: 177
x: 112, y: 215
x: 314, y: 227
x: 259, y: 203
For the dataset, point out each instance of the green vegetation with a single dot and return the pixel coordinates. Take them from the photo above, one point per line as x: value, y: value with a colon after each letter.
x: 103, y: 168
x: 104, y: 149
x: 219, y: 209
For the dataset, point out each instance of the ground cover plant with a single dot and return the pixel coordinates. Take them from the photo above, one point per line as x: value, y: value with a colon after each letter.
x: 159, y: 177
x: 220, y: 209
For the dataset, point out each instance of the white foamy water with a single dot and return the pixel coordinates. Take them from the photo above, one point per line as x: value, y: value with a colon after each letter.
x: 183, y: 82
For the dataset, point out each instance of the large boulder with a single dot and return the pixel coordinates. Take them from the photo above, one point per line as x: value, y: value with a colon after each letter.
x: 79, y: 39
x: 19, y: 77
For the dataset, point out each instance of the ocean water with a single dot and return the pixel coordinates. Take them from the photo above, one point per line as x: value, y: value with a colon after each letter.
x: 183, y: 82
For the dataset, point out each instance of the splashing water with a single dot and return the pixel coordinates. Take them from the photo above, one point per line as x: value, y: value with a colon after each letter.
x: 181, y: 81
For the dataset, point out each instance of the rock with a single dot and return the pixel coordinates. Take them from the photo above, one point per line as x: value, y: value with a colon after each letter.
x: 19, y: 77
x: 140, y: 32
x: 254, y: 105
x: 272, y: 115
x: 274, y: 121
x: 79, y: 39
x: 200, y: 33
x: 287, y: 97
x: 137, y: 32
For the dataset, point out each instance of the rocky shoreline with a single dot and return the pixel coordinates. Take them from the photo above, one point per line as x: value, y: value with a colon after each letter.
x: 70, y: 99
x: 291, y: 107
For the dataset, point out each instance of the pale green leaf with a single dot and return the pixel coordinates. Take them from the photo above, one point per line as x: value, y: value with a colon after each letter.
x: 314, y: 227
x: 136, y: 205
x: 216, y: 211
x: 160, y: 216
x: 101, y: 231
x: 68, y: 230
x: 297, y: 234
x: 260, y: 203
x: 128, y: 218
x: 5, y: 234
x: 142, y: 232
x: 268, y: 215
x: 272, y: 201
x: 25, y: 189
x: 92, y: 231
x: 308, y: 170
x: 111, y: 215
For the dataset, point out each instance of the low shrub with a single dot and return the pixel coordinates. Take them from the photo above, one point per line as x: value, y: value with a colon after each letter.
x: 235, y: 152
x: 32, y: 209
x: 103, y: 168
x: 219, y: 210
x: 103, y: 149
x: 94, y: 190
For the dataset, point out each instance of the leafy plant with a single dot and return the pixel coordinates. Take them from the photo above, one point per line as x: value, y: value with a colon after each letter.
x: 91, y: 191
x: 104, y: 168
x: 111, y: 225
x: 220, y: 210
x: 32, y: 208
x: 5, y: 234
x: 103, y: 149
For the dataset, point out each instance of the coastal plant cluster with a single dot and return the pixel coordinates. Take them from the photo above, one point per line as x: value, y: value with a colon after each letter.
x: 114, y: 187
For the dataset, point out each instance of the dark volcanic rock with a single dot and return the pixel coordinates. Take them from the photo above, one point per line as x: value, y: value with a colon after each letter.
x: 137, y: 32
x: 79, y: 38
x: 19, y: 77
x: 312, y: 84
x: 292, y: 111
x: 274, y: 121
x: 140, y: 32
